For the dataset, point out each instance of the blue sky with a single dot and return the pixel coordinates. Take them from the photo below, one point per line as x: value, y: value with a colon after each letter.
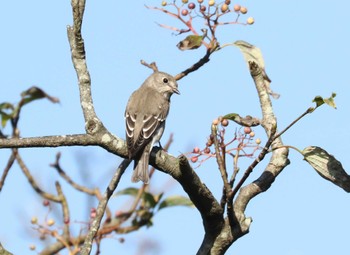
x: 305, y: 46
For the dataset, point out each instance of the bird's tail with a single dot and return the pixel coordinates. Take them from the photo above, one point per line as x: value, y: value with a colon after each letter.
x: 141, y: 168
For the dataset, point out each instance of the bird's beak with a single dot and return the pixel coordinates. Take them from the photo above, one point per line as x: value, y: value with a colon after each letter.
x: 175, y: 90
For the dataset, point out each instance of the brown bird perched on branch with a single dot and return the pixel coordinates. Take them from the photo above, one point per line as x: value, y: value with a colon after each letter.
x: 145, y: 116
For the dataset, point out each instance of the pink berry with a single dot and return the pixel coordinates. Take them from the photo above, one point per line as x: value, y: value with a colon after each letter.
x: 236, y: 7
x: 247, y: 130
x: 194, y: 159
x: 224, y: 122
x: 184, y: 12
x: 191, y: 6
x: 196, y: 150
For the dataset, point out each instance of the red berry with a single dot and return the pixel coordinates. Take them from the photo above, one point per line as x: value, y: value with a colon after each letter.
x: 207, y: 150
x: 184, y: 12
x: 191, y: 6
x: 211, y: 137
x: 194, y: 159
x: 203, y: 8
x: 224, y: 122
x: 46, y: 202
x: 196, y: 150
x: 247, y: 130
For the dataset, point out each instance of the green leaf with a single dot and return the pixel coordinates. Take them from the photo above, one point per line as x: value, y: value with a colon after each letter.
x: 175, y: 201
x: 149, y: 199
x: 35, y: 93
x: 231, y: 116
x: 6, y: 113
x: 191, y: 42
x: 327, y: 166
x: 6, y: 106
x: 128, y: 191
x: 4, y: 118
x: 330, y: 101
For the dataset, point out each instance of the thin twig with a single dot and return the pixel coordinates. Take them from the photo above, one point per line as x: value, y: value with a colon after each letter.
x: 291, y: 124
x: 222, y: 167
x: 33, y: 183
x: 8, y: 166
x: 197, y: 65
x: 102, y: 206
x: 250, y: 169
x: 65, y: 211
x: 63, y: 174
x: 93, y: 192
x: 152, y: 65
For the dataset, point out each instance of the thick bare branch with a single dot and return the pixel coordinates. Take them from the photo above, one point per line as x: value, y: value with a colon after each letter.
x: 79, y: 61
x: 103, y: 139
x: 279, y: 158
x: 3, y: 251
x: 209, y: 208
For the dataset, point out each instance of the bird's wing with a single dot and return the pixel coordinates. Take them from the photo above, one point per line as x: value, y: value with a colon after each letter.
x: 142, y: 124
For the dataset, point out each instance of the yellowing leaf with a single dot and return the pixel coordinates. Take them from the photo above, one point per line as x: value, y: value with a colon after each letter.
x: 191, y: 42
x: 330, y: 101
x: 327, y: 166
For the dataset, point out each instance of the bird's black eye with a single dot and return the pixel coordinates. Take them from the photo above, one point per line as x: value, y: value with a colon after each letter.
x: 165, y: 80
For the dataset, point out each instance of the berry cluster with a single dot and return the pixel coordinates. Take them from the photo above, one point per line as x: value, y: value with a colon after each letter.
x: 236, y: 147
x: 209, y: 11
x: 44, y: 228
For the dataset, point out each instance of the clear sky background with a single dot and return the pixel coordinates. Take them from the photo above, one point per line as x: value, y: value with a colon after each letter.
x: 306, y: 49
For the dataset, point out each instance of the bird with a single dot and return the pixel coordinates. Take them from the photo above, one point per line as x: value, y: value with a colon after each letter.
x: 145, y: 115
x: 253, y: 53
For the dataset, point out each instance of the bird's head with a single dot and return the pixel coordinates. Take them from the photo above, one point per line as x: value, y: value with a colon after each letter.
x: 164, y: 83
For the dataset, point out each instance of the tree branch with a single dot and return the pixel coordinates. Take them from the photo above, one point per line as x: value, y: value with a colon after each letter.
x: 7, y: 168
x: 209, y: 208
x: 76, y: 43
x: 279, y: 158
x: 95, y: 225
